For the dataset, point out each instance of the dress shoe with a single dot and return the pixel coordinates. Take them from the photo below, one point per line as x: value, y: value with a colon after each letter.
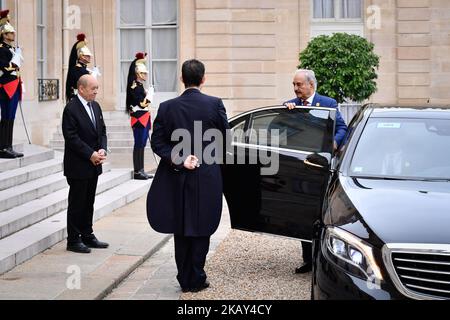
x: 196, y: 289
x: 201, y: 287
x: 78, y: 247
x: 95, y: 243
x: 304, y: 268
x: 146, y: 174
x: 6, y: 154
x: 140, y: 176
x: 15, y: 153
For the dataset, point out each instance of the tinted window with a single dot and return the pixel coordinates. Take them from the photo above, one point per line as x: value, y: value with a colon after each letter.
x: 300, y: 129
x: 417, y: 148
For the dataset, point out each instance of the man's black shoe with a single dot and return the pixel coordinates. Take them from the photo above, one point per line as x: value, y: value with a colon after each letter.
x: 304, y: 268
x: 6, y: 154
x: 78, y: 247
x: 201, y: 287
x: 196, y: 289
x: 15, y: 153
x: 95, y: 243
x: 140, y: 176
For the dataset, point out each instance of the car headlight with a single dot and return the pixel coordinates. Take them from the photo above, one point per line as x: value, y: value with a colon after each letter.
x: 351, y: 253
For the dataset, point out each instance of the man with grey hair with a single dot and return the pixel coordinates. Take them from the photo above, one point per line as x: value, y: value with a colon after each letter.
x: 305, y: 87
x: 84, y: 153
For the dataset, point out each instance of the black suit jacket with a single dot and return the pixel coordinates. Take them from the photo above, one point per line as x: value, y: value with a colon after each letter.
x: 180, y: 201
x: 82, y: 139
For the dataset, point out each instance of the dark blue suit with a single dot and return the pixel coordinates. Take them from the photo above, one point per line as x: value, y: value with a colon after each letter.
x: 183, y: 202
x: 323, y: 101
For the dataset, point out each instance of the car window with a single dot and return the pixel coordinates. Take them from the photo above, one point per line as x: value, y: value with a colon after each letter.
x: 413, y: 148
x: 238, y: 132
x: 300, y: 129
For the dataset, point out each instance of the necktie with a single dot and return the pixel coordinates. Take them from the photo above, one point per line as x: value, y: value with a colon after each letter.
x: 305, y: 103
x: 92, y: 113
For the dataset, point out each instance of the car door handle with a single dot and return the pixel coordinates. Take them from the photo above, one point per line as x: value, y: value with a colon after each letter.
x: 308, y: 163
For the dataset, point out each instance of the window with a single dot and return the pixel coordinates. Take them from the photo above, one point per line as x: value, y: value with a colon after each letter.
x: 411, y: 148
x: 305, y: 130
x: 41, y: 39
x: 331, y: 16
x: 337, y: 9
x: 150, y: 26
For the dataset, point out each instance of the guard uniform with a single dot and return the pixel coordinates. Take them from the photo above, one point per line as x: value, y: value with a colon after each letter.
x: 10, y: 88
x: 137, y: 106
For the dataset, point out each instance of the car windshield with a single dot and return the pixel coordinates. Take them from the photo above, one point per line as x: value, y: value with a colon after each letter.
x: 400, y: 148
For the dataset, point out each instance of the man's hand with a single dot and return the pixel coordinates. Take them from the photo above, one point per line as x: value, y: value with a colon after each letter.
x: 335, y: 146
x: 191, y: 163
x: 98, y: 158
x: 290, y: 105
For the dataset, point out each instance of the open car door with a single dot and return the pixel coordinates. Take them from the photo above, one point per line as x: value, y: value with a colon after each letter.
x: 277, y: 169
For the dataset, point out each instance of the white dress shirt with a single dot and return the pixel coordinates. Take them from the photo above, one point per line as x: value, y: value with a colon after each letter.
x: 86, y: 107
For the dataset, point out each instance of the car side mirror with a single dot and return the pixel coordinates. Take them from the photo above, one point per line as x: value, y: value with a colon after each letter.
x: 317, y: 161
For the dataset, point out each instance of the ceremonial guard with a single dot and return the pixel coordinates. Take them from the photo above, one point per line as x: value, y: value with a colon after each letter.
x: 10, y: 85
x: 80, y: 57
x: 137, y: 106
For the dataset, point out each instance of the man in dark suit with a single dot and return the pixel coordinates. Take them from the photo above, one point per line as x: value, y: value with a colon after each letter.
x: 305, y: 86
x: 85, y: 144
x: 185, y: 198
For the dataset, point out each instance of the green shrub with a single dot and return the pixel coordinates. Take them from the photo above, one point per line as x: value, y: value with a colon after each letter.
x: 344, y: 65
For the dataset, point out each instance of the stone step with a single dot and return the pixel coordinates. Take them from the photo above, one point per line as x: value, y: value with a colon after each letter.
x: 27, y: 214
x: 112, y: 143
x: 23, y: 245
x: 32, y: 154
x: 9, y: 179
x: 112, y: 128
x: 32, y: 190
x: 121, y: 135
x: 114, y: 115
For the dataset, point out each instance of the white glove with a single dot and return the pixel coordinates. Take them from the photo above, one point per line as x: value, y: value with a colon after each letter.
x: 17, y: 57
x: 96, y: 72
x: 150, y: 94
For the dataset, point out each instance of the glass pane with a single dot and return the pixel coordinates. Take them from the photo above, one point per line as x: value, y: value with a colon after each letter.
x: 164, y: 43
x: 165, y: 76
x: 323, y: 9
x: 238, y: 133
x: 124, y: 68
x: 299, y: 130
x: 164, y: 12
x: 132, y: 12
x: 418, y: 148
x: 351, y: 9
x: 132, y: 41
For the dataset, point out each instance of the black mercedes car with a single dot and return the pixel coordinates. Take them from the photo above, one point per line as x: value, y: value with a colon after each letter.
x: 377, y: 210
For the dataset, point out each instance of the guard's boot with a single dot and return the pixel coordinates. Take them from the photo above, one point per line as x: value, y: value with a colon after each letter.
x: 10, y: 126
x: 138, y: 175
x: 141, y: 164
x: 4, y: 152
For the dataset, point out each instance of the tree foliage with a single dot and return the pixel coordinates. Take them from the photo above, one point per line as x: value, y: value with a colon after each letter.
x: 344, y: 65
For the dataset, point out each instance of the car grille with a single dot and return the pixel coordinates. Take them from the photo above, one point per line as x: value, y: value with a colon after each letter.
x: 423, y: 274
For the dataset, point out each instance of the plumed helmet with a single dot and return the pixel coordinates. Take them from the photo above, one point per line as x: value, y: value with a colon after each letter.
x: 5, y: 25
x: 141, y: 63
